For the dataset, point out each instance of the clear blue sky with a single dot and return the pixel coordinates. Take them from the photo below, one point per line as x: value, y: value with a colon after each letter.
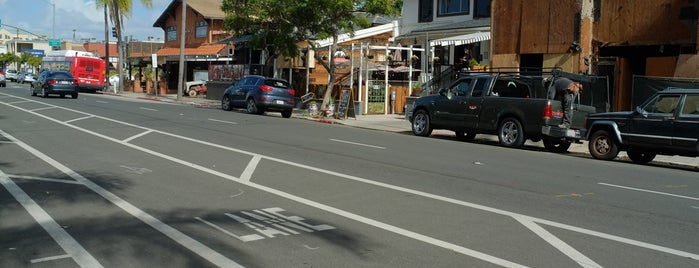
x: 82, y: 16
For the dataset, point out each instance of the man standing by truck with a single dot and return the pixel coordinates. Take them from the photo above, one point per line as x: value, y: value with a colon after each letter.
x: 566, y: 91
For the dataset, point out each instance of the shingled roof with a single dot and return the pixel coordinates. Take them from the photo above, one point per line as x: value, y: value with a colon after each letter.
x: 209, y: 9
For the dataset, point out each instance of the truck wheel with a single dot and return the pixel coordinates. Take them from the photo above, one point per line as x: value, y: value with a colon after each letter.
x: 603, y: 146
x: 641, y: 157
x: 511, y: 133
x: 556, y: 146
x: 421, y: 124
x: 465, y: 136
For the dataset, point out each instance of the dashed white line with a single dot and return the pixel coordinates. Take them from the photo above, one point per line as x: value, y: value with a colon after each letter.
x: 222, y: 121
x: 42, y: 179
x: 648, y: 191
x: 360, y: 144
x: 22, y: 101
x: 137, y: 136
x: 52, y: 258
x: 147, y: 109
x: 78, y: 119
x: 101, y: 101
x: 44, y: 108
x: 250, y: 169
x: 64, y: 240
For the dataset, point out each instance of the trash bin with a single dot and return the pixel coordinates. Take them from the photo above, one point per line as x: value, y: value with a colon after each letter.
x: 358, y: 108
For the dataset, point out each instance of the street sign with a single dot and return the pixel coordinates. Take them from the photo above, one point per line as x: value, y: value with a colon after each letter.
x: 54, y: 42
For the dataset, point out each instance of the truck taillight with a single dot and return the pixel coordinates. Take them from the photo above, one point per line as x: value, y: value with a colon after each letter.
x: 548, y: 112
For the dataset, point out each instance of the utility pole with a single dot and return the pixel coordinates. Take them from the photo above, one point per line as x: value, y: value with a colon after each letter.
x: 106, y: 50
x: 180, y: 76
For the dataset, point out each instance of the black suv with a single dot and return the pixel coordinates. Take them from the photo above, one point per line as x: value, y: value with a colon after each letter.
x: 666, y: 124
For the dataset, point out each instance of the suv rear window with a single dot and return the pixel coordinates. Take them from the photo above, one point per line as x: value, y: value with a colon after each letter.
x: 277, y: 83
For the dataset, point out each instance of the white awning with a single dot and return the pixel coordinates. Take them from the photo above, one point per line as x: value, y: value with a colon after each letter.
x: 461, y: 39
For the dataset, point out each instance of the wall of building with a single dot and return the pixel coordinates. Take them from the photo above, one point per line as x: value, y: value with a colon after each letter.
x: 216, y: 32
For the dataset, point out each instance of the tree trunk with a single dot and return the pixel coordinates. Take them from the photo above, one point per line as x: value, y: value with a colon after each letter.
x: 331, y: 76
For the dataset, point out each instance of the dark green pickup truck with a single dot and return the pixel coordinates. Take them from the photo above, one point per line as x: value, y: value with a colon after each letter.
x: 513, y: 107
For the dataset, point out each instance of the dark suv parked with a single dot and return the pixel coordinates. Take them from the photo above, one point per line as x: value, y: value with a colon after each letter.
x: 259, y: 94
x: 665, y: 124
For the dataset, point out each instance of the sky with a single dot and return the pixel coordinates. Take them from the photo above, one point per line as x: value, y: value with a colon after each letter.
x: 36, y: 16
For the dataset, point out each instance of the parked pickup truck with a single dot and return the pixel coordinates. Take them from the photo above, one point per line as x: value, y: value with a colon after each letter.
x: 665, y: 124
x: 513, y: 107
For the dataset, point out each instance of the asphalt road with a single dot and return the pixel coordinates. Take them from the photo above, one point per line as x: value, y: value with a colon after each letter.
x: 116, y: 182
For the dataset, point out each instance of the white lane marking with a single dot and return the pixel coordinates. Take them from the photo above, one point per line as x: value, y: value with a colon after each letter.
x: 42, y: 179
x: 6, y: 142
x: 695, y: 207
x: 177, y: 236
x: 44, y: 108
x: 52, y: 258
x: 366, y: 181
x: 101, y: 101
x: 64, y: 240
x: 78, y: 119
x: 222, y: 121
x: 250, y: 169
x: 147, y: 109
x: 137, y: 136
x: 244, y: 238
x: 566, y: 249
x: 648, y: 191
x: 22, y: 101
x: 360, y: 144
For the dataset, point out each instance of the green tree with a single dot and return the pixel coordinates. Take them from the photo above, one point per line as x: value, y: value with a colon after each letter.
x: 277, y: 26
x: 35, y: 62
x: 7, y: 58
x: 118, y: 10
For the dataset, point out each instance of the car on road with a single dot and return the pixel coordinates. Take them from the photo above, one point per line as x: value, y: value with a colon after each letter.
x: 11, y: 75
x: 3, y: 82
x: 665, y: 124
x: 258, y: 94
x: 28, y: 78
x: 55, y: 82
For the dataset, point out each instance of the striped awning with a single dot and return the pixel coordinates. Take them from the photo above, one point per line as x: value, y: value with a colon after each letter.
x: 461, y: 39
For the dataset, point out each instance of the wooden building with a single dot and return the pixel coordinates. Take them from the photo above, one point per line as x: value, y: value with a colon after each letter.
x: 615, y: 38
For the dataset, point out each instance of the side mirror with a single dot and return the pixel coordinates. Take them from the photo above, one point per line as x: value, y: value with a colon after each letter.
x: 640, y: 111
x: 443, y: 91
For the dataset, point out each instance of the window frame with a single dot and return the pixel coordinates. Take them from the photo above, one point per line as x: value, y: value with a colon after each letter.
x: 440, y: 5
x: 201, y: 25
x: 171, y: 33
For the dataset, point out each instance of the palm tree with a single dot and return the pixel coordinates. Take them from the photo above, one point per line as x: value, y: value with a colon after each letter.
x: 118, y: 10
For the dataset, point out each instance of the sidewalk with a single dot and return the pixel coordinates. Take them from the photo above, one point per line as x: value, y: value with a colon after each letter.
x: 397, y: 123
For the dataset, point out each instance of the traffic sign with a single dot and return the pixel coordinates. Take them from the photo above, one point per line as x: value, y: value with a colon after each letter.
x: 54, y: 42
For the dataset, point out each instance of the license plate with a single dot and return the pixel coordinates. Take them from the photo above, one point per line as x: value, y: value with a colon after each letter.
x: 280, y: 102
x: 64, y: 82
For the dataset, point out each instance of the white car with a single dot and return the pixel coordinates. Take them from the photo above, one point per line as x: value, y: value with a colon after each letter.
x: 28, y: 78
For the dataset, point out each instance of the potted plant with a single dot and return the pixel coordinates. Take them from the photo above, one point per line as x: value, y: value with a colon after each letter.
x: 162, y: 83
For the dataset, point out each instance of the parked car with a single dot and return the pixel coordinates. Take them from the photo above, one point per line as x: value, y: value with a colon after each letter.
x: 11, y: 75
x: 511, y: 106
x: 665, y: 124
x: 55, y: 82
x: 28, y: 78
x: 20, y: 77
x: 3, y: 83
x: 259, y: 94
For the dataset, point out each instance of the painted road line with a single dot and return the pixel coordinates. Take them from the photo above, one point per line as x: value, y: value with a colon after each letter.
x: 16, y: 102
x: 250, y: 169
x: 366, y: 181
x: 244, y: 238
x: 694, y: 207
x: 52, y: 258
x: 147, y: 109
x: 222, y: 121
x: 648, y: 191
x: 360, y: 144
x: 177, y: 236
x: 42, y: 179
x: 78, y: 119
x: 64, y: 240
x: 137, y: 136
x: 44, y: 108
x: 101, y: 101
x: 554, y: 241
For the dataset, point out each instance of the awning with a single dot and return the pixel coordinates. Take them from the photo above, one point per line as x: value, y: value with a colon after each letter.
x: 203, y: 50
x: 461, y: 39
